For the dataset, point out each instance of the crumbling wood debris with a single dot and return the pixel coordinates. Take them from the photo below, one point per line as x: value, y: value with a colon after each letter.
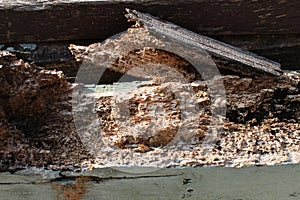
x: 259, y: 109
x: 35, y: 117
x: 261, y: 125
x: 268, y: 109
x: 250, y: 101
x: 213, y: 46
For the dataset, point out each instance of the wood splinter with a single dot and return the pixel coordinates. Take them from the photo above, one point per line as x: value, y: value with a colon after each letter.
x: 214, y: 47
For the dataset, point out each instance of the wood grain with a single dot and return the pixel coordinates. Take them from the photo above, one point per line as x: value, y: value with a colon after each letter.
x: 69, y: 20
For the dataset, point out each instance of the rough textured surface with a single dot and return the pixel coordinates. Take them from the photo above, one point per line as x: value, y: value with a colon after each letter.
x: 155, y: 116
x: 36, y: 121
x: 199, y: 41
x: 258, y: 130
x: 138, y: 44
x: 260, y: 111
x: 261, y: 125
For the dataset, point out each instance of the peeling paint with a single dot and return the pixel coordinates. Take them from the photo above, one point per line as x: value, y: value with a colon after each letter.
x: 29, y: 46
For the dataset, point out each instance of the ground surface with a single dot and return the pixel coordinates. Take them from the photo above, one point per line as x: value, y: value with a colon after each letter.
x: 276, y: 182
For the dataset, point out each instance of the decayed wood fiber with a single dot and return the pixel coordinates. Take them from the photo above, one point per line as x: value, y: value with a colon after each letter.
x: 261, y: 110
x: 37, y: 124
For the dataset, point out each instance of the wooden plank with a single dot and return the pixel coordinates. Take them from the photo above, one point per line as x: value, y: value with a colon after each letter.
x: 32, y: 21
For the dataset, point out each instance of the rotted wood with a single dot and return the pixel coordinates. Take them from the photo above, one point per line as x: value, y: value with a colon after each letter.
x: 261, y: 126
x: 35, y: 117
x: 38, y: 129
x: 185, y: 37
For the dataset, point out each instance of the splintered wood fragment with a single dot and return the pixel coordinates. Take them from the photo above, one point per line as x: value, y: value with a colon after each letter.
x: 214, y: 47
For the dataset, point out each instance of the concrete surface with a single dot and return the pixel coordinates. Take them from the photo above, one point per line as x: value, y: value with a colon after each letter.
x: 272, y: 182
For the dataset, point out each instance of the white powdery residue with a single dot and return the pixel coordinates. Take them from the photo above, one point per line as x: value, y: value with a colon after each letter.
x: 295, y: 157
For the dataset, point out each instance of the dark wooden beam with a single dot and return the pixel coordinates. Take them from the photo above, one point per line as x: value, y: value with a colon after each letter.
x: 75, y: 20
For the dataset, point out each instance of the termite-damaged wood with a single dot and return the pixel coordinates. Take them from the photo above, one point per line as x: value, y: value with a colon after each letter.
x: 35, y: 117
x: 37, y: 128
x: 261, y: 110
x: 249, y: 100
x: 261, y: 125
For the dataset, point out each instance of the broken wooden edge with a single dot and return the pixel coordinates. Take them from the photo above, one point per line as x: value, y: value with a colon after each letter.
x: 212, y: 46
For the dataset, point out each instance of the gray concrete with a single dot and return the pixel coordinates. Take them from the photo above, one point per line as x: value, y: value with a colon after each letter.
x: 275, y: 182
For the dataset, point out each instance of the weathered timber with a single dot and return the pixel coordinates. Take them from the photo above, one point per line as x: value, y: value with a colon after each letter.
x: 72, y: 19
x: 199, y: 41
x: 167, y: 123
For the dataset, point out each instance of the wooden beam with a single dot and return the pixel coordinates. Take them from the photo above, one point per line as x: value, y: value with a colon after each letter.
x: 32, y: 21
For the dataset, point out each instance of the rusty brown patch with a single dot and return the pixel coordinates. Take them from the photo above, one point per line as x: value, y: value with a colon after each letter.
x: 72, y: 191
